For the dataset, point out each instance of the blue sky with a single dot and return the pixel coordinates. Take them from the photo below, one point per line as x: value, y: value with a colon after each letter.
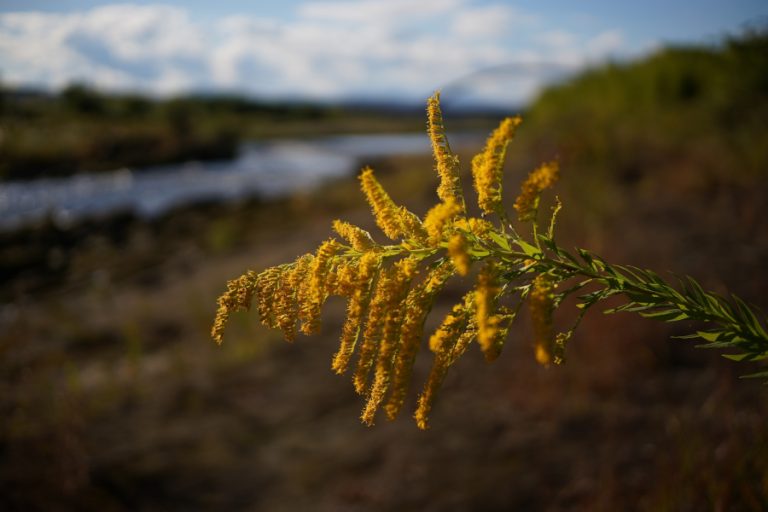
x: 336, y: 49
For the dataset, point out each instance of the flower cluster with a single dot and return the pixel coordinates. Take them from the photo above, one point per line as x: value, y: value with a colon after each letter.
x: 391, y: 289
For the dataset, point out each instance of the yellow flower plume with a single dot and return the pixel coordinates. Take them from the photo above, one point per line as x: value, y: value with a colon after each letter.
x: 541, y: 178
x: 446, y: 163
x: 487, y: 166
x: 390, y: 289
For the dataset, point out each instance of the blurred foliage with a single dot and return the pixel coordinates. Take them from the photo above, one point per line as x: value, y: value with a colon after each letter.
x: 700, y: 101
x: 84, y: 130
x: 669, y: 153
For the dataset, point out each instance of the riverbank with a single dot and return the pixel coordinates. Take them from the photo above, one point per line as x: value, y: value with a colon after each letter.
x: 123, y: 245
x: 84, y: 131
x: 265, y: 169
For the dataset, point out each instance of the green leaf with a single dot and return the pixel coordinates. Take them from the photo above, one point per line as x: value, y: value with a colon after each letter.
x: 719, y: 344
x: 667, y: 315
x: 709, y: 336
x: 631, y: 307
x: 736, y: 357
x: 749, y: 317
x: 570, y: 257
x: 686, y: 337
x: 628, y: 273
x: 527, y: 248
x: 747, y: 356
x: 695, y: 291
x: 758, y: 375
x: 586, y: 257
x: 500, y: 240
x: 478, y: 253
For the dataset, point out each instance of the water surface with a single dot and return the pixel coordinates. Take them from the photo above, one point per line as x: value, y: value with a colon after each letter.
x: 264, y: 169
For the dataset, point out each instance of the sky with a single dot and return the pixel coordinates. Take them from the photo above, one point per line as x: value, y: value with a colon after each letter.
x: 330, y: 50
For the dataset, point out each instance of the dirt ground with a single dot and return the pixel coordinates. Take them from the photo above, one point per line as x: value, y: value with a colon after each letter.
x: 114, y: 397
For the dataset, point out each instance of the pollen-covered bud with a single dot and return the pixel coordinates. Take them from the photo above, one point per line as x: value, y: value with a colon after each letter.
x: 412, y: 225
x: 346, y: 277
x: 384, y: 209
x: 452, y: 325
x: 457, y: 250
x: 480, y: 227
x: 356, y: 309
x: 266, y: 285
x: 490, y: 336
x: 542, y: 307
x: 405, y: 270
x: 440, y: 217
x: 418, y: 304
x: 316, y: 292
x: 446, y: 163
x: 373, y: 327
x: 358, y: 238
x: 285, y: 297
x: 487, y: 166
x: 541, y: 178
x: 448, y: 343
x: 237, y: 297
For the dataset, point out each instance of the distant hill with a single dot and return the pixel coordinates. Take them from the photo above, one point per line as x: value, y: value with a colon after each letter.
x: 708, y: 104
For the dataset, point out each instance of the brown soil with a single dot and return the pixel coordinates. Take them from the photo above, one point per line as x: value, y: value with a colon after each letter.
x: 114, y: 398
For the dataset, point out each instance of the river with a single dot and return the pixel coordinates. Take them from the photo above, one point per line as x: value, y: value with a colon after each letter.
x: 264, y: 169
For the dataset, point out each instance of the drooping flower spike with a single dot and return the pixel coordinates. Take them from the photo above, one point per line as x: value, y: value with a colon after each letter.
x: 390, y: 289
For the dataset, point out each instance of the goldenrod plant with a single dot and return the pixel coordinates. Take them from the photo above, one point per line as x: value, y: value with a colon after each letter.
x: 390, y: 288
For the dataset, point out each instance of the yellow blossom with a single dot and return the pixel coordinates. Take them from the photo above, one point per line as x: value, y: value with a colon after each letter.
x: 384, y: 209
x: 438, y: 218
x: 237, y: 297
x: 405, y: 270
x: 489, y: 334
x: 541, y: 178
x: 480, y: 227
x: 428, y: 395
x: 446, y: 162
x: 374, y: 323
x: 309, y: 312
x: 541, y: 306
x: 466, y: 337
x: 347, y: 275
x: 448, y: 343
x: 487, y: 166
x: 387, y: 306
x: 452, y: 325
x: 285, y: 303
x: 358, y: 304
x: 412, y: 225
x: 457, y: 250
x: 358, y: 238
x: 266, y: 286
x: 418, y: 304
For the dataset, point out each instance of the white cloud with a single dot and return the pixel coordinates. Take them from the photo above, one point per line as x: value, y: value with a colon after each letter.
x: 118, y: 46
x: 374, y: 48
x: 489, y: 21
x: 557, y: 39
x: 605, y: 42
x: 376, y: 11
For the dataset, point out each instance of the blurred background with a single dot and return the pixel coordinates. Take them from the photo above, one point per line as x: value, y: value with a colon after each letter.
x: 150, y: 152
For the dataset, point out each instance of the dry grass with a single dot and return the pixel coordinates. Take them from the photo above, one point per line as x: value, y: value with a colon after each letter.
x: 115, y: 399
